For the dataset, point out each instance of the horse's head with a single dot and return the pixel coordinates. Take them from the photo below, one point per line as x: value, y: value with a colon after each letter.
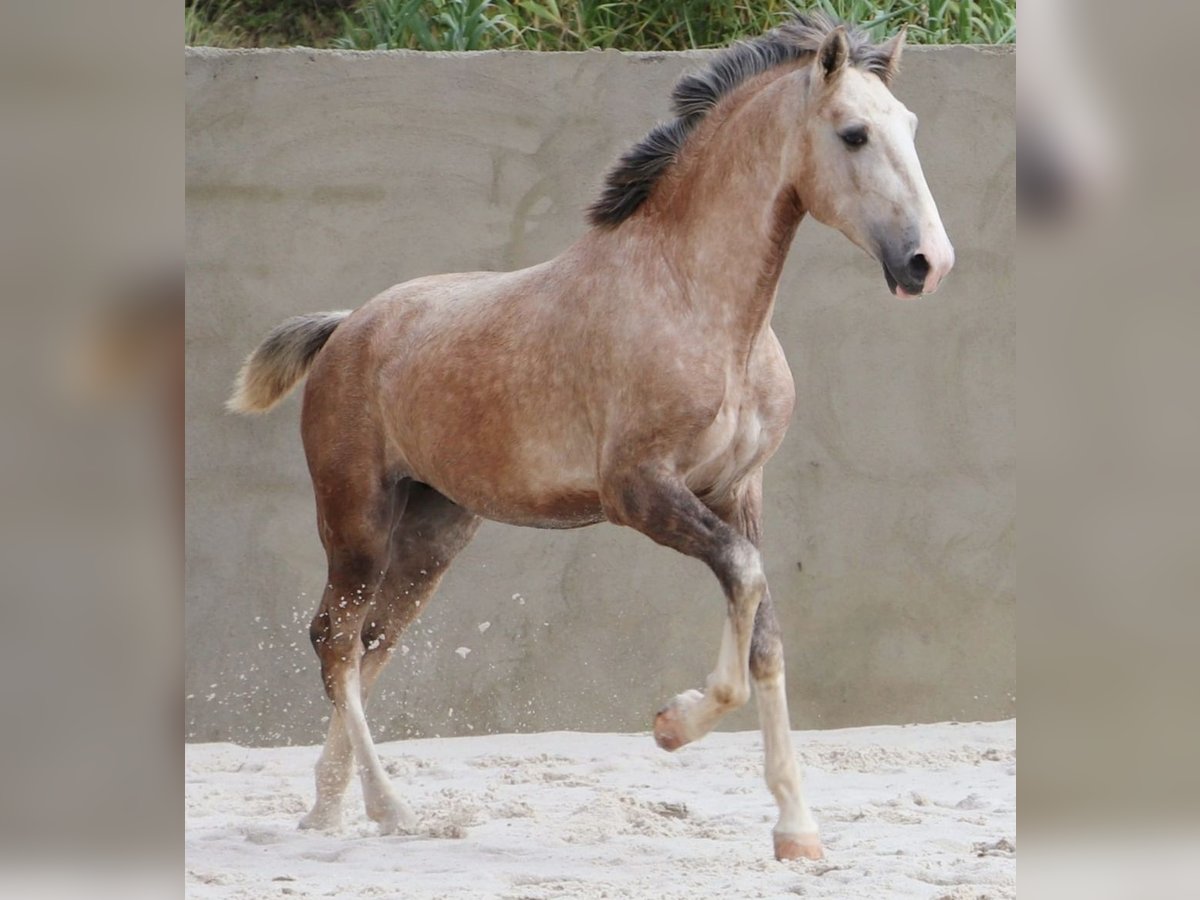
x: 860, y: 172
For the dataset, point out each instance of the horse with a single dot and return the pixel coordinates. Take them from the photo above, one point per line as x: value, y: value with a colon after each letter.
x: 634, y: 378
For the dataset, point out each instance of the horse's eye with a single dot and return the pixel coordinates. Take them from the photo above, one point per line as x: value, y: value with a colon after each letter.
x: 854, y: 137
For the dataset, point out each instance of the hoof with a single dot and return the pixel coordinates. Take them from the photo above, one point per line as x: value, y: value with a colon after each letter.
x: 667, y: 733
x: 798, y: 846
x: 392, y: 818
x: 390, y: 826
x: 670, y: 726
x: 322, y: 819
x: 396, y: 824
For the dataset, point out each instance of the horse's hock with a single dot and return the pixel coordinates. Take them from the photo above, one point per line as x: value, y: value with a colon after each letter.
x: 316, y: 179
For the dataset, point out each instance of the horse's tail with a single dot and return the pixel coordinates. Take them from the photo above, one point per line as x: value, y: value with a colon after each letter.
x: 281, y: 360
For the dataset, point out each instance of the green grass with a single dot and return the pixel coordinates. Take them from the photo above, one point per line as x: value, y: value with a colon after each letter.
x: 572, y: 24
x: 265, y: 23
x: 212, y: 24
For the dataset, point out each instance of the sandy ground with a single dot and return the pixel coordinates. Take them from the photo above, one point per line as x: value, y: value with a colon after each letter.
x: 918, y: 811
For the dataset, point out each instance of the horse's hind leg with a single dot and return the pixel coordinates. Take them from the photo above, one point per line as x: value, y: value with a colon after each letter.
x: 334, y: 769
x: 356, y: 517
x: 428, y: 534
x: 336, y: 765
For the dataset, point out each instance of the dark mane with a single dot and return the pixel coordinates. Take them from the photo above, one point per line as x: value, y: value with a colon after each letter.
x: 631, y: 180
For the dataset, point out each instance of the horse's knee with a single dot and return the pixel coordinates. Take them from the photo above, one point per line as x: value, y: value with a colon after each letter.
x: 766, y: 659
x: 740, y: 571
x: 766, y: 644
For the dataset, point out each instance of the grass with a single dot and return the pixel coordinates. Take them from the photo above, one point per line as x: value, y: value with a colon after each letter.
x: 212, y: 24
x: 265, y: 23
x: 572, y: 24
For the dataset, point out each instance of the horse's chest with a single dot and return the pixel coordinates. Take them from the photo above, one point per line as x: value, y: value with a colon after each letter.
x: 747, y: 429
x: 738, y: 442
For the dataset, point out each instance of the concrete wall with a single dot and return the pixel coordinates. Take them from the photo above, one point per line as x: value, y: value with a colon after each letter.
x: 316, y: 179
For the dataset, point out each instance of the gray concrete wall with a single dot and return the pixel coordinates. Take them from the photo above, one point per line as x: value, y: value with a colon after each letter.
x: 316, y: 179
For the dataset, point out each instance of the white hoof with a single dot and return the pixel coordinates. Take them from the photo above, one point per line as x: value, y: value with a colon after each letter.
x: 392, y: 814
x: 322, y: 818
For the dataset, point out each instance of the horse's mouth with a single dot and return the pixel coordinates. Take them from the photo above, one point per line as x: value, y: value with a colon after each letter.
x: 898, y: 289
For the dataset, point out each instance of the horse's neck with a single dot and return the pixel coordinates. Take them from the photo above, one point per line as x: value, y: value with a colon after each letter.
x: 727, y: 217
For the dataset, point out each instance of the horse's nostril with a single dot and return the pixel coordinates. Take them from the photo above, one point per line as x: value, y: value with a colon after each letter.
x: 918, y: 267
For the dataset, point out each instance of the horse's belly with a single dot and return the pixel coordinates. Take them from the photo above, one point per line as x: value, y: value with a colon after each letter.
x: 529, y: 504
x: 567, y: 509
x: 521, y: 477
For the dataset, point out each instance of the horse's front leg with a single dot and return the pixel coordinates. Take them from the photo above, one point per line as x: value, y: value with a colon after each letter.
x: 796, y: 833
x: 658, y: 504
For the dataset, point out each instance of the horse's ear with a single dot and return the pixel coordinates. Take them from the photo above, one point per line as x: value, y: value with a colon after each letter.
x: 834, y: 51
x: 892, y: 50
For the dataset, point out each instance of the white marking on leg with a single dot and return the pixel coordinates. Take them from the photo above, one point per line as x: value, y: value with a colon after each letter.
x: 333, y: 772
x: 728, y: 687
x: 781, y: 769
x: 692, y: 714
x: 383, y: 805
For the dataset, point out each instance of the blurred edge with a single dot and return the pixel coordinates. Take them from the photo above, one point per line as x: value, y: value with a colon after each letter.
x: 91, y: 284
x: 1109, y: 438
x: 91, y: 193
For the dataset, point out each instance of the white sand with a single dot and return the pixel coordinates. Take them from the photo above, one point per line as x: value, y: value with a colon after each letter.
x: 919, y: 811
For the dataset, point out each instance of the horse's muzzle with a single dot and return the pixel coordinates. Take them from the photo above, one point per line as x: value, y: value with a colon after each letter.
x: 914, y: 273
x: 904, y: 281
